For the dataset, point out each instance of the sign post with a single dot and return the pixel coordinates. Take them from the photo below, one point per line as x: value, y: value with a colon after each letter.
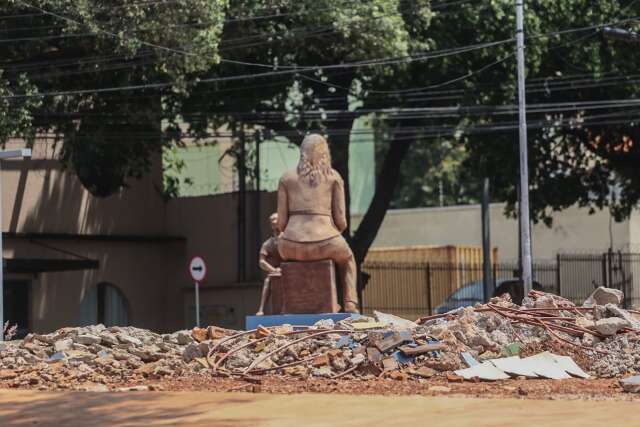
x: 198, y: 271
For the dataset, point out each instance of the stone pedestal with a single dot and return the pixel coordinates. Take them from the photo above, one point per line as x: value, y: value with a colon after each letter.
x: 277, y: 295
x: 308, y: 287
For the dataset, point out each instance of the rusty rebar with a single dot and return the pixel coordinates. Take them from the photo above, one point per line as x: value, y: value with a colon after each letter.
x: 287, y: 345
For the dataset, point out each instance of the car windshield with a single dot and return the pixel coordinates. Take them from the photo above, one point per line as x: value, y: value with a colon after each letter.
x: 470, y: 291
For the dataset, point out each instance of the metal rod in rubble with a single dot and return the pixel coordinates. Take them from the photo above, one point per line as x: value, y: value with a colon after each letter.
x: 525, y: 240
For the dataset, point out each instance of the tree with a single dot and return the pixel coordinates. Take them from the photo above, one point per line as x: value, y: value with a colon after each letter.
x: 428, y: 72
x: 332, y: 36
x: 74, y: 46
x: 583, y: 146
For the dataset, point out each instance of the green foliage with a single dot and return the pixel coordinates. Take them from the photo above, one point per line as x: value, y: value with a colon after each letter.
x: 433, y: 175
x: 593, y: 162
x: 173, y: 173
x: 79, y: 45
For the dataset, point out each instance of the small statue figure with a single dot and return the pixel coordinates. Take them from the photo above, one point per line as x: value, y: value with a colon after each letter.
x: 312, y: 215
x: 269, y: 261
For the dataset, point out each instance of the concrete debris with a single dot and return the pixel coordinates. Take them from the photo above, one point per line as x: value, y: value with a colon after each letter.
x: 94, y: 358
x: 484, y: 371
x: 610, y: 325
x: 544, y: 365
x: 493, y: 339
x: 631, y: 384
x: 604, y: 296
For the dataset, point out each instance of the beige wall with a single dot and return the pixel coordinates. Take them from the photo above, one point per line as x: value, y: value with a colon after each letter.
x: 634, y: 223
x: 573, y: 230
x: 39, y: 197
x: 211, y: 224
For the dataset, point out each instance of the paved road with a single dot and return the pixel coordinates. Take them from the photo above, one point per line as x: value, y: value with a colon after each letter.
x: 27, y: 408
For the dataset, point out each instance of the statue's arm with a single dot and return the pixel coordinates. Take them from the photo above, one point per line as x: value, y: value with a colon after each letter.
x: 283, y: 207
x: 265, y: 266
x: 338, y: 206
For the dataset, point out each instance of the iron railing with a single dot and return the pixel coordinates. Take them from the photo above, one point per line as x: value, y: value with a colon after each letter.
x: 413, y: 289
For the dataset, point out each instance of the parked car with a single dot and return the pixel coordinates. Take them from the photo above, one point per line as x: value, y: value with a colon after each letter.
x: 473, y: 293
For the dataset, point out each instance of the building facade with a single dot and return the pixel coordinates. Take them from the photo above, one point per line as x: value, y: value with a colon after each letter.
x: 71, y: 258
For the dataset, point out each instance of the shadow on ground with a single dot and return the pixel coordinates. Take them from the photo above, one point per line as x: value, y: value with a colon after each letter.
x: 85, y: 409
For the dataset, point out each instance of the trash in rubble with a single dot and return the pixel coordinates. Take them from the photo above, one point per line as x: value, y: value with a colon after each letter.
x: 514, y: 366
x: 545, y: 365
x: 484, y: 371
x: 398, y: 322
x: 631, y: 384
x: 486, y: 341
x: 361, y: 326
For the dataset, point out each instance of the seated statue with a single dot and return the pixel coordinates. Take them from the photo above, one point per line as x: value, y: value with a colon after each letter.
x: 312, y: 215
x: 269, y: 261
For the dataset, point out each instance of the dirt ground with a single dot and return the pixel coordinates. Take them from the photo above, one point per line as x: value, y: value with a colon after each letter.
x: 70, y: 409
x: 571, y: 389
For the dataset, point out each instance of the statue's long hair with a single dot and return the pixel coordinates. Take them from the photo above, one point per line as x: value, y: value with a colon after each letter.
x: 315, y: 160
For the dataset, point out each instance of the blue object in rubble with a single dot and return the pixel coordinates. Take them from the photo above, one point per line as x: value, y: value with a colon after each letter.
x: 402, y: 358
x: 344, y: 341
x: 252, y: 322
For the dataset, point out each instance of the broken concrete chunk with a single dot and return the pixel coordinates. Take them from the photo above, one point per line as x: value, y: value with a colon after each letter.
x: 215, y: 333
x: 199, y: 334
x: 87, y: 339
x: 398, y: 322
x: 426, y: 348
x: 623, y: 314
x: 631, y: 384
x: 356, y: 360
x: 390, y: 364
x: 604, y: 296
x: 393, y: 340
x: 374, y: 355
x: 63, y: 345
x: 423, y: 372
x: 191, y: 352
x: 184, y: 337
x: 611, y: 325
x: 128, y: 340
x: 321, y: 360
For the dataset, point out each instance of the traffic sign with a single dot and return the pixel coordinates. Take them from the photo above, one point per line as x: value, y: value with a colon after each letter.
x: 197, y: 269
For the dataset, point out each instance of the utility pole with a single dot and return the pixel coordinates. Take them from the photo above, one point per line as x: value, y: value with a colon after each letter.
x: 487, y: 280
x: 525, y: 238
x: 23, y: 153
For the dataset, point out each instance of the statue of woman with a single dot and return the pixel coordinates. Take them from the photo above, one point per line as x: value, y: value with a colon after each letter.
x: 312, y: 215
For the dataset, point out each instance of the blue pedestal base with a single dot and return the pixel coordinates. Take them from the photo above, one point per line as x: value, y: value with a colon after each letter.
x: 252, y: 322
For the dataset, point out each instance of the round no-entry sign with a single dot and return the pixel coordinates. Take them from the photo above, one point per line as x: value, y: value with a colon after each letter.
x: 197, y: 269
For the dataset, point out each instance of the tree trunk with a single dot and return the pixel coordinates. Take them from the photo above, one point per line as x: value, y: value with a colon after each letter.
x: 339, y: 143
x: 385, y: 187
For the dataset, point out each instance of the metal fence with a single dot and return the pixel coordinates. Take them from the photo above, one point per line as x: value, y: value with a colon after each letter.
x: 413, y: 289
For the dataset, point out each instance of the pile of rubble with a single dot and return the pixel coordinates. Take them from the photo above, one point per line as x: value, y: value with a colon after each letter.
x: 603, y: 338
x: 96, y: 355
